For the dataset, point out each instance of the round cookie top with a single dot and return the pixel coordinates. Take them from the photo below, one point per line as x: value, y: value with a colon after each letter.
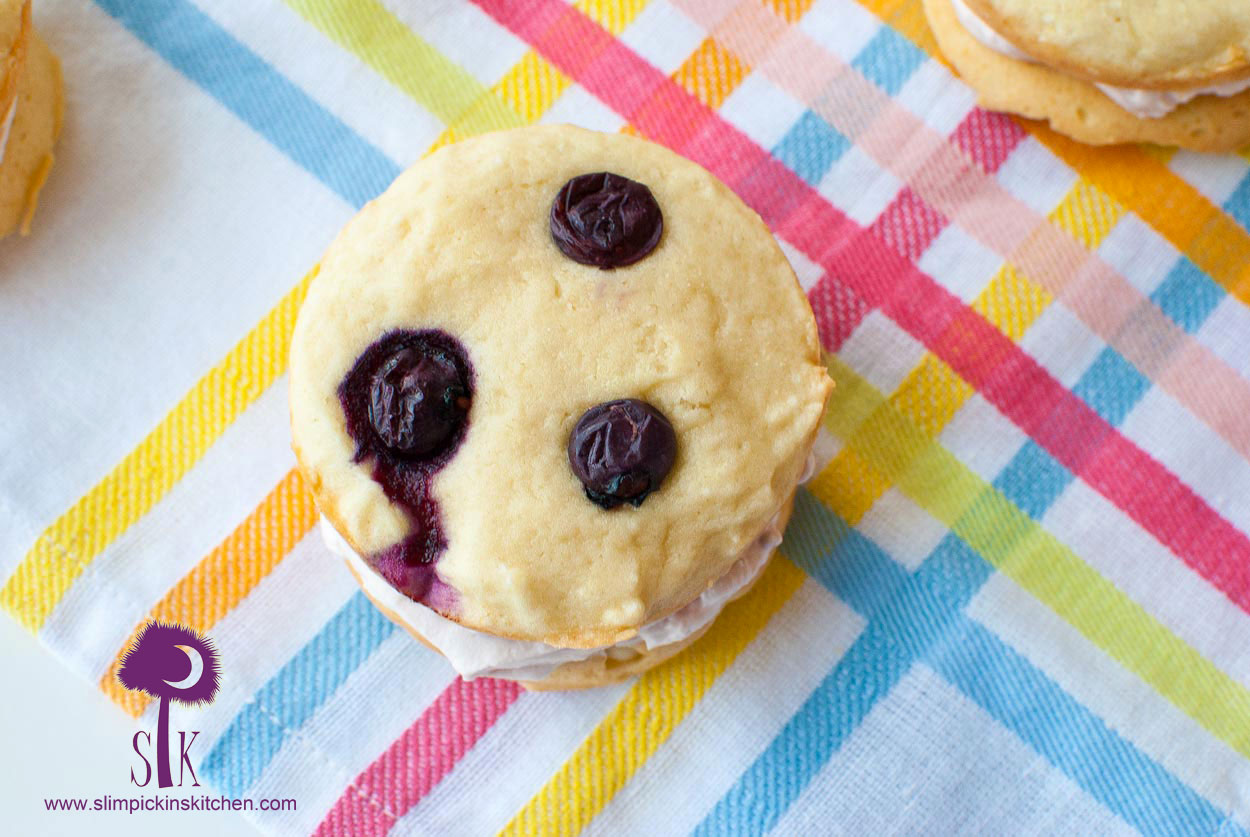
x: 1148, y: 44
x: 457, y: 262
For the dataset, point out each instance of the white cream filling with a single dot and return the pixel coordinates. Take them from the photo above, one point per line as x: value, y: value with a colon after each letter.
x: 477, y: 654
x: 1154, y: 104
x: 1147, y: 104
x: 8, y: 126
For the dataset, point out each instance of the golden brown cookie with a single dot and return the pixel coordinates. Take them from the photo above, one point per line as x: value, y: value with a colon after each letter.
x: 1076, y: 107
x: 1151, y: 44
x: 31, y: 105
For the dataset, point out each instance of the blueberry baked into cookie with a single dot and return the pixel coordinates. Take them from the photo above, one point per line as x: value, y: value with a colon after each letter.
x: 30, y: 115
x: 1172, y: 72
x: 553, y: 392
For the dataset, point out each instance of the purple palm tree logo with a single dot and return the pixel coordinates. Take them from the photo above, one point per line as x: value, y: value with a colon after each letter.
x: 170, y: 662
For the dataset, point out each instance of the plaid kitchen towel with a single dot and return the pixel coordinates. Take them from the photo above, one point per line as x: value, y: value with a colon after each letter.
x: 1017, y: 600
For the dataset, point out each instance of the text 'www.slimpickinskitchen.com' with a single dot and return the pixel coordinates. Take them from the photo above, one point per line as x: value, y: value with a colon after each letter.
x: 135, y: 804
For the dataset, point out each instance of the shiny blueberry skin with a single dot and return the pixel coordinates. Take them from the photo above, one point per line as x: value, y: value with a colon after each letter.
x: 407, y: 400
x: 605, y: 220
x: 621, y: 451
x: 417, y: 400
x: 407, y: 397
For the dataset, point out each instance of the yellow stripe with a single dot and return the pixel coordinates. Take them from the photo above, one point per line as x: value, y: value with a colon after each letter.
x: 850, y: 484
x: 1088, y: 214
x: 1011, y: 302
x: 140, y: 480
x: 649, y: 712
x: 530, y: 87
x: 227, y: 574
x: 1134, y: 177
x: 612, y: 15
x: 932, y: 394
x: 1036, y: 560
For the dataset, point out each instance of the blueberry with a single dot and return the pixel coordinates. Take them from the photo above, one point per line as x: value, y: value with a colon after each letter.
x: 417, y: 399
x: 605, y: 220
x: 621, y: 451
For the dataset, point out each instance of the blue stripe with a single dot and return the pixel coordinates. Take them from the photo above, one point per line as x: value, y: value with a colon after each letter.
x: 859, y: 576
x: 811, y: 147
x: 1111, y: 386
x: 1187, y: 295
x: 291, y: 697
x: 897, y: 634
x: 1238, y: 203
x: 257, y: 94
x: 1033, y: 479
x: 1067, y: 734
x: 910, y: 624
x: 888, y: 60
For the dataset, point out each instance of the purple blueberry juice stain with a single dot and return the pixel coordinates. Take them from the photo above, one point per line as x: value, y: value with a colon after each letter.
x: 407, y: 401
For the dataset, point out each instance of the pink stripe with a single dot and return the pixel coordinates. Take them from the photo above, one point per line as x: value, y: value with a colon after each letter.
x: 838, y: 312
x: 418, y: 760
x: 943, y: 173
x: 908, y: 224
x: 879, y: 277
x: 988, y: 138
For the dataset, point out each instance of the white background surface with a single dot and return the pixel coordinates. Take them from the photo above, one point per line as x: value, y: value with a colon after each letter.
x: 60, y: 736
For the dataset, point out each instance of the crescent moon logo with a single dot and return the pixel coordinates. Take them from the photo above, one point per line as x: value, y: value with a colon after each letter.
x: 197, y: 668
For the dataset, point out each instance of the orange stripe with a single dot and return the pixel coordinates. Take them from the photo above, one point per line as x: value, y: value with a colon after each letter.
x: 226, y: 575
x: 1141, y: 181
x: 137, y: 483
x: 790, y: 10
x: 711, y: 73
x: 907, y: 17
